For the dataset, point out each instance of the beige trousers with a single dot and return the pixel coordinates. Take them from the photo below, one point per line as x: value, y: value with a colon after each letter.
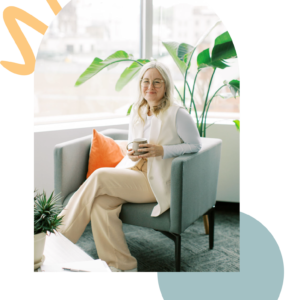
x: 99, y: 200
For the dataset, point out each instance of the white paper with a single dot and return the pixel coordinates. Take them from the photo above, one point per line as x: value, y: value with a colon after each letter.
x: 91, y: 266
x: 58, y: 249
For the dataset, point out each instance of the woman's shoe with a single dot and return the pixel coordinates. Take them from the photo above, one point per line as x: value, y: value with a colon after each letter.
x: 113, y: 269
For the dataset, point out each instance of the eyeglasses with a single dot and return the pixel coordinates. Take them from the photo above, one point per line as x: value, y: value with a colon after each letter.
x: 157, y: 83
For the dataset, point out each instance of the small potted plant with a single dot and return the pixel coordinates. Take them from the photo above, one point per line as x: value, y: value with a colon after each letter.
x: 46, y: 220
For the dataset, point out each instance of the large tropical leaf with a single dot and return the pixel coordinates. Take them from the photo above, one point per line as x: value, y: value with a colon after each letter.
x: 223, y: 49
x: 98, y: 64
x: 184, y: 51
x: 219, y: 64
x: 234, y: 86
x: 203, y: 59
x: 172, y: 48
x: 129, y: 73
x: 235, y: 83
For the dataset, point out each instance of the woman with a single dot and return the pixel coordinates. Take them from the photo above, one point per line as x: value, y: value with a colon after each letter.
x: 170, y: 132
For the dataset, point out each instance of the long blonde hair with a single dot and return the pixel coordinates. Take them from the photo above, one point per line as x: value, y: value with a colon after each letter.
x: 140, y: 107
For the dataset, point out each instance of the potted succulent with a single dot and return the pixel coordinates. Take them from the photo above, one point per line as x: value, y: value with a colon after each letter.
x: 46, y: 221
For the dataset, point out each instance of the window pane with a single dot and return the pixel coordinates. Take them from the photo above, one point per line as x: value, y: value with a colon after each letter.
x: 83, y: 30
x: 186, y: 23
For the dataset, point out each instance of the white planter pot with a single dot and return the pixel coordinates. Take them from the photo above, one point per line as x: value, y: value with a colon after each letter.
x: 39, y: 245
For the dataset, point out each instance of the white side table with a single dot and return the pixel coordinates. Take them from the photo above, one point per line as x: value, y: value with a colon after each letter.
x: 60, y: 250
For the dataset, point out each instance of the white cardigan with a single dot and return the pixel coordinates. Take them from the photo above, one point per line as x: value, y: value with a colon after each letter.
x: 163, y: 132
x: 186, y: 130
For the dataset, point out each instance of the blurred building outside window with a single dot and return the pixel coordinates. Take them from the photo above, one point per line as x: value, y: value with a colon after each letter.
x: 83, y: 30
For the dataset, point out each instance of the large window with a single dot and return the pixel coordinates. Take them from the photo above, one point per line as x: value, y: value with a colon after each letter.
x: 83, y: 30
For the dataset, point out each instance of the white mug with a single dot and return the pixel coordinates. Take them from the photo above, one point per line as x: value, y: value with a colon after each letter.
x: 135, y: 146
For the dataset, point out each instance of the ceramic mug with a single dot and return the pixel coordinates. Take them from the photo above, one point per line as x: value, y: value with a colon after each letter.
x: 135, y: 146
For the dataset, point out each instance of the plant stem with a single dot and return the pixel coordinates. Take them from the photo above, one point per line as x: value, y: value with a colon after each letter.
x: 184, y: 89
x: 185, y: 75
x: 192, y: 95
x: 194, y: 105
x: 203, y: 133
x: 180, y: 96
x: 209, y: 102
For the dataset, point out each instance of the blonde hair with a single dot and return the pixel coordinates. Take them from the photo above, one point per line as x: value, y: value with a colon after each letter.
x: 141, y: 105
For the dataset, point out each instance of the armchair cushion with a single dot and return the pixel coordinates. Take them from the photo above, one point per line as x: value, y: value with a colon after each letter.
x: 139, y: 215
x: 105, y: 152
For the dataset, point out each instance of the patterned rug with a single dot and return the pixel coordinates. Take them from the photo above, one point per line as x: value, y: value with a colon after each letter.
x: 156, y: 253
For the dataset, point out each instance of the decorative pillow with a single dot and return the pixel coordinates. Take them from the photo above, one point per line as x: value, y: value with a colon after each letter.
x: 105, y: 152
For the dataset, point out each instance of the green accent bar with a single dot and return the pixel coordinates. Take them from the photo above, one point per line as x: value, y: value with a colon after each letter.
x: 263, y: 126
x: 269, y: 88
x: 267, y: 48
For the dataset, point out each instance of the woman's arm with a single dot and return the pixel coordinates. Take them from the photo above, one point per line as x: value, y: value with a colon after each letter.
x: 187, y: 131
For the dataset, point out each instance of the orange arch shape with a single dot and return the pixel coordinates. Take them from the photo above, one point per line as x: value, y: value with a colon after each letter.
x: 55, y: 6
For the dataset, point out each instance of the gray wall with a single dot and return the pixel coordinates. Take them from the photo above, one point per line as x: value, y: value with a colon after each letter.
x: 45, y: 140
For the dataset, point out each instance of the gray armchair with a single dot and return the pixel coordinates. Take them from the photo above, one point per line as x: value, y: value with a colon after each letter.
x: 194, y: 182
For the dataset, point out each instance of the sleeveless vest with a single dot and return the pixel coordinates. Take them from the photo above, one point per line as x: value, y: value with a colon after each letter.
x: 162, y: 132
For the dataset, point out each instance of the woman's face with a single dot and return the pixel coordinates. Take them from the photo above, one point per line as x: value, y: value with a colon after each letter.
x: 152, y: 94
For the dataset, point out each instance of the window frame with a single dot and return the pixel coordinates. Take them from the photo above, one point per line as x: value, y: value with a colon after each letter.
x: 145, y: 49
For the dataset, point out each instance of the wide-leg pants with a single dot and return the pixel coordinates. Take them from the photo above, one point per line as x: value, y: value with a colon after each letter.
x: 99, y: 200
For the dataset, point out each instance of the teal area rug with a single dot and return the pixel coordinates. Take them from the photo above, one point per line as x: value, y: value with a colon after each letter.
x: 156, y: 253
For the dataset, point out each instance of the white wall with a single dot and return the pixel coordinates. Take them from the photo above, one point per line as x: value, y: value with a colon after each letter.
x: 229, y: 175
x: 45, y: 138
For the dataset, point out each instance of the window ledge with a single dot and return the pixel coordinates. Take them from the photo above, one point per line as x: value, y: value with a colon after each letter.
x: 83, y: 124
x: 217, y: 118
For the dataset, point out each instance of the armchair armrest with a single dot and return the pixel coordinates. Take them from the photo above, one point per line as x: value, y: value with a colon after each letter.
x: 70, y: 165
x: 194, y: 183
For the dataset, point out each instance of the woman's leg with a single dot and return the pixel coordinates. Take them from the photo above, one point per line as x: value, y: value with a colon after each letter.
x: 108, y: 233
x: 122, y: 185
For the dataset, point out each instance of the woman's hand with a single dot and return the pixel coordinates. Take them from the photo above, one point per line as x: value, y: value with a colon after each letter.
x: 131, y: 156
x: 153, y: 150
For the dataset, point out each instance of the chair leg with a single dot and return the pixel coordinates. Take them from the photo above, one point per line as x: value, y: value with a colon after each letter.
x: 177, y: 252
x: 206, y: 224
x: 211, y: 217
x: 177, y: 240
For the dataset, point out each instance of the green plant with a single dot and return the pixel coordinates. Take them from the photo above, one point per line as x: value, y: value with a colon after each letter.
x: 34, y: 197
x: 182, y: 54
x: 46, y: 213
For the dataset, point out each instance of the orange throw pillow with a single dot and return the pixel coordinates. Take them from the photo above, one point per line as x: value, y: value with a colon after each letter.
x: 105, y: 152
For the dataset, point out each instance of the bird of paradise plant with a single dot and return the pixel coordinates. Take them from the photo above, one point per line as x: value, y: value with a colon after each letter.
x: 182, y: 54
